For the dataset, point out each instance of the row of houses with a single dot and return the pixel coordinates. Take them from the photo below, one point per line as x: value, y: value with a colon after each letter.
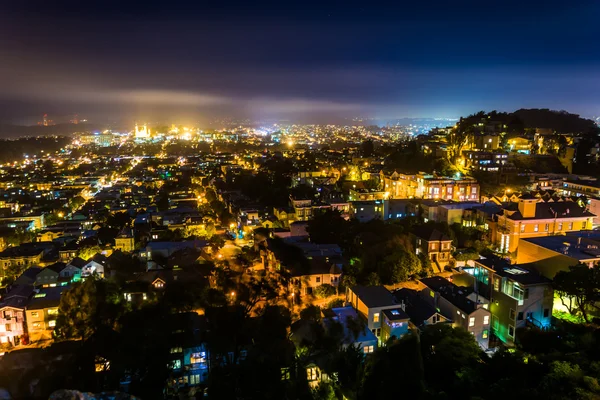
x: 492, y: 297
x: 29, y: 306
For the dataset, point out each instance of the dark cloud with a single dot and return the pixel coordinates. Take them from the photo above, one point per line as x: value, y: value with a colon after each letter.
x: 254, y: 59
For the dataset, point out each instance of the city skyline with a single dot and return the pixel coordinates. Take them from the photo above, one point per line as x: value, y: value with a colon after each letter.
x: 305, y: 63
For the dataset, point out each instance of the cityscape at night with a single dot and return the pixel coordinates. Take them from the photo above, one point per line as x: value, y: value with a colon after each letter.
x: 304, y: 201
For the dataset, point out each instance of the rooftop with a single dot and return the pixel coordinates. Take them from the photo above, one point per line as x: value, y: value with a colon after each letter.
x: 374, y: 296
x: 524, y: 274
x: 454, y: 294
x: 417, y: 309
x: 577, y: 247
x: 396, y: 314
x: 46, y: 298
x: 429, y: 234
x: 554, y: 210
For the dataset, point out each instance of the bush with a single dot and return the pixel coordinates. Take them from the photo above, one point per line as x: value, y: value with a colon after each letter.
x: 467, y: 255
x: 335, y: 303
x: 324, y: 291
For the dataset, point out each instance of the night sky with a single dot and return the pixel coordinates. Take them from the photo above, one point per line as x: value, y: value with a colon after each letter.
x: 302, y: 61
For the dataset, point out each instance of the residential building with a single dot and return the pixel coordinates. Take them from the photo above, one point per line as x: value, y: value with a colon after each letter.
x: 13, y: 330
x: 395, y: 324
x: 367, y: 194
x: 190, y: 358
x: 429, y: 186
x: 365, y: 211
x: 518, y: 293
x: 420, y: 312
x: 552, y: 254
x: 365, y: 340
x: 42, y: 311
x: 321, y: 271
x: 125, y: 241
x: 370, y: 301
x: 588, y: 188
x: 454, y: 303
x: 21, y: 257
x: 433, y: 243
x: 532, y: 217
x: 68, y: 252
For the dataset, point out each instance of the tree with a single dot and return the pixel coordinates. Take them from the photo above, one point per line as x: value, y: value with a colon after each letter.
x: 88, y: 252
x: 373, y: 279
x: 391, y: 367
x: 86, y: 307
x: 367, y: 148
x: 210, y: 195
x: 325, y: 290
x: 311, y: 313
x: 76, y: 202
x: 578, y: 289
x: 400, y: 266
x: 451, y: 358
x: 356, y: 326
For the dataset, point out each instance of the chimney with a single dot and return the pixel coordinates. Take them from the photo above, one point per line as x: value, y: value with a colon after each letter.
x: 527, y: 207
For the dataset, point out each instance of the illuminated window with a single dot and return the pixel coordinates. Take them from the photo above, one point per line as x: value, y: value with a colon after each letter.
x: 198, y: 358
x: 311, y: 374
x: 53, y: 311
x: 368, y: 349
x: 485, y: 334
x: 176, y: 364
x: 560, y: 226
x: 522, y: 228
x: 432, y: 293
x: 194, y: 379
x: 52, y: 323
x: 472, y: 321
x: 570, y: 226
x: 175, y: 350
x: 36, y: 325
x: 34, y: 314
x: 376, y: 317
x: 536, y: 228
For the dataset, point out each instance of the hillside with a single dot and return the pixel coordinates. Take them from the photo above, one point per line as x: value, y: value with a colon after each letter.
x: 559, y: 121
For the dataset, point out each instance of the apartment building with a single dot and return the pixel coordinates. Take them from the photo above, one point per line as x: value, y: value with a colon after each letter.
x: 429, y: 186
x: 532, y: 217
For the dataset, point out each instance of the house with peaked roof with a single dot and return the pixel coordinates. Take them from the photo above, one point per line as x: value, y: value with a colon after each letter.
x: 321, y: 271
x: 455, y: 304
x: 435, y: 244
x: 28, y: 276
x: 420, y: 312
